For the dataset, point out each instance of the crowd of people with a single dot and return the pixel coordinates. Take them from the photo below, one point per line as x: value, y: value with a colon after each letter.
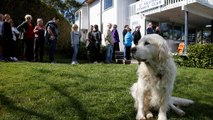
x: 34, y: 38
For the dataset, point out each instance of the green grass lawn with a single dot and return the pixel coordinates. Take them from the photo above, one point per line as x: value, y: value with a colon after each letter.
x: 42, y: 91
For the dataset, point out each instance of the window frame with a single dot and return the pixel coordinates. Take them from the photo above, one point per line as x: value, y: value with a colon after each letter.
x: 108, y: 7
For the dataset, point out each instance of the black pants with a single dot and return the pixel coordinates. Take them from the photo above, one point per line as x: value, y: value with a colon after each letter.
x: 128, y: 57
x: 39, y: 49
x: 29, y: 53
x: 52, y: 49
x: 91, y: 52
x: 8, y: 48
x: 97, y: 52
x: 115, y: 48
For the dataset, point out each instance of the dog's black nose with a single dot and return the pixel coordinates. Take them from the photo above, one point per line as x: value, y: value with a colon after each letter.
x: 133, y: 50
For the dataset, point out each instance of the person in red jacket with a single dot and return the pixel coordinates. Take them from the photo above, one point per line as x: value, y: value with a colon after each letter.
x: 39, y: 40
x: 27, y: 28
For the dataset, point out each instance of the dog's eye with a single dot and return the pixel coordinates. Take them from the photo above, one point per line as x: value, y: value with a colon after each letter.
x: 146, y: 43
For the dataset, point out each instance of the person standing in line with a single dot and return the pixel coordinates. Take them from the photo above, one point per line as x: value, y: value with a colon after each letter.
x: 137, y: 35
x: 1, y: 36
x: 75, y: 42
x: 39, y: 40
x: 124, y: 33
x: 96, y: 38
x: 109, y: 43
x: 7, y: 38
x: 27, y: 28
x: 115, y: 39
x: 157, y: 30
x: 52, y: 34
x: 13, y: 43
x: 149, y: 29
x: 128, y: 43
x: 90, y: 45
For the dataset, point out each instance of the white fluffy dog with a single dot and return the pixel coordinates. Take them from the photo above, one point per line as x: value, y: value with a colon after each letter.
x: 156, y: 75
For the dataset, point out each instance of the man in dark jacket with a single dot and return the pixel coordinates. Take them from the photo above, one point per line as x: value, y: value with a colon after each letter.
x: 7, y: 37
x: 1, y: 36
x: 96, y: 38
x: 53, y: 34
x: 137, y: 35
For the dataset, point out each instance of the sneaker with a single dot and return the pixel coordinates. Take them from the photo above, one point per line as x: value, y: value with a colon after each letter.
x: 74, y: 62
x: 15, y: 59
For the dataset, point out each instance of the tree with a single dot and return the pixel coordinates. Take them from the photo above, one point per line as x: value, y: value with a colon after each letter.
x: 64, y: 7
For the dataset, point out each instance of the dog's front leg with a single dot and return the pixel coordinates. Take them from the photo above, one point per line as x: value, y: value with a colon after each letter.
x: 139, y: 97
x: 163, y: 109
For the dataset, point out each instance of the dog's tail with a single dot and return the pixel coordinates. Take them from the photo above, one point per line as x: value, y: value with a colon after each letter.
x: 181, y: 101
x: 176, y: 102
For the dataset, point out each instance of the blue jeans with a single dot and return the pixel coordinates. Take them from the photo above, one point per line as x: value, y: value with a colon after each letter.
x: 109, y: 53
x: 124, y: 52
x: 52, y: 49
x: 75, y: 52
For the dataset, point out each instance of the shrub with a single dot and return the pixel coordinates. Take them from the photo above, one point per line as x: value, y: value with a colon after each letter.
x: 82, y: 52
x: 199, y: 55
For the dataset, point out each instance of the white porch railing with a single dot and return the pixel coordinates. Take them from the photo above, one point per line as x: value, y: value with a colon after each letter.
x: 169, y: 4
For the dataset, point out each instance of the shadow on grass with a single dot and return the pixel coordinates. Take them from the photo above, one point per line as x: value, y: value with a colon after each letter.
x: 6, y: 102
x: 197, y: 111
x: 74, y: 103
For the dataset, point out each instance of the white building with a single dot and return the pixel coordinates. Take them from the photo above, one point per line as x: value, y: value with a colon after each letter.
x: 188, y: 20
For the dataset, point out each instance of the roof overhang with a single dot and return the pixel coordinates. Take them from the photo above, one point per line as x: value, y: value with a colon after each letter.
x: 90, y: 1
x: 199, y: 15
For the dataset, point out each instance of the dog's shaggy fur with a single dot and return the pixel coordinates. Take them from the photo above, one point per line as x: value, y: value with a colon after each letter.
x: 156, y: 76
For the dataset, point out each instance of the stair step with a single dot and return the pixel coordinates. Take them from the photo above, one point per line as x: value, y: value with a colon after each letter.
x: 119, y: 57
x: 122, y: 61
x: 119, y: 61
x: 127, y: 62
x: 119, y: 53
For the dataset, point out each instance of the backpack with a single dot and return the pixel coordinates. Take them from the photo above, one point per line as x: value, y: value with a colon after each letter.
x: 46, y: 34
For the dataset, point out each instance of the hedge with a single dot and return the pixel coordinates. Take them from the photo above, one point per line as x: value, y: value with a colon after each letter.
x: 199, y: 55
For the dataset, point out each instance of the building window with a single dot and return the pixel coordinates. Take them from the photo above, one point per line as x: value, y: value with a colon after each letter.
x: 166, y: 30
x: 107, y: 4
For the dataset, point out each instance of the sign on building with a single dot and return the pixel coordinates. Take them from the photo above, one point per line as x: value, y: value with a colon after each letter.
x: 148, y: 4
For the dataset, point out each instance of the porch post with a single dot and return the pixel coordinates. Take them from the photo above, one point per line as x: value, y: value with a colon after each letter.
x: 143, y: 25
x: 211, y: 31
x: 186, y: 31
x: 202, y: 36
x: 101, y: 26
x: 88, y: 16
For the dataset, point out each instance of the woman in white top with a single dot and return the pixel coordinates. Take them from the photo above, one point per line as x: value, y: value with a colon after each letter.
x: 75, y: 42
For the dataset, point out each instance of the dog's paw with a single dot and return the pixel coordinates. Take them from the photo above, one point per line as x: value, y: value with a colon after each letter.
x: 181, y: 113
x: 149, y: 115
x: 140, y: 117
x: 162, y: 117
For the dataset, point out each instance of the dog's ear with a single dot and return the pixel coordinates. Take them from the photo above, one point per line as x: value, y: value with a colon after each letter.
x: 163, y: 52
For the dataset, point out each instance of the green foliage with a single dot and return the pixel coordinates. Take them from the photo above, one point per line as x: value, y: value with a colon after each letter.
x: 66, y: 7
x: 199, y: 55
x: 39, y: 91
x: 19, y: 8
